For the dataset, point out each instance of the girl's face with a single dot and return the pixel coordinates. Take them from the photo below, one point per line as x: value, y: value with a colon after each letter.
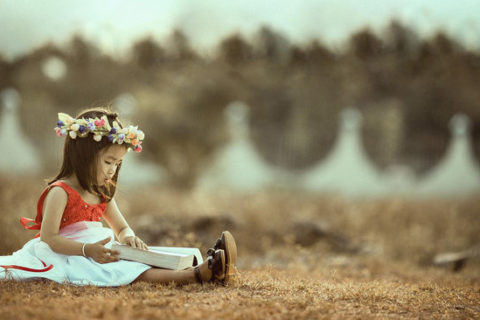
x: 108, y: 161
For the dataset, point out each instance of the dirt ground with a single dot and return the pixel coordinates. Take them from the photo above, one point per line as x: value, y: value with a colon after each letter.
x: 300, y: 257
x: 259, y: 293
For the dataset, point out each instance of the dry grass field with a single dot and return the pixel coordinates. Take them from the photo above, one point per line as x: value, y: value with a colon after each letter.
x: 300, y: 257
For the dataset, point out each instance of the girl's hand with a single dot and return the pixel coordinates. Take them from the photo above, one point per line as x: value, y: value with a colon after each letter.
x: 135, y: 242
x: 99, y: 253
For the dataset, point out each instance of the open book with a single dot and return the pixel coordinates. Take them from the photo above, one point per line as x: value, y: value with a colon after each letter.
x: 176, y: 258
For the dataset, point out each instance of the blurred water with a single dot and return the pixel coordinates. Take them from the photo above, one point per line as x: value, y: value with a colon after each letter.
x: 347, y: 168
x: 237, y: 166
x: 18, y: 155
x: 457, y: 173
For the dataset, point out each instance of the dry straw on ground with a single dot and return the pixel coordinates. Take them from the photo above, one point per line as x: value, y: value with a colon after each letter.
x: 264, y: 293
x: 300, y: 257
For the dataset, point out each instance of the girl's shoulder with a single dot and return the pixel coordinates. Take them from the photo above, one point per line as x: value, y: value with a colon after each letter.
x: 57, y: 195
x: 62, y: 191
x: 63, y: 185
x: 73, y: 191
x: 59, y: 187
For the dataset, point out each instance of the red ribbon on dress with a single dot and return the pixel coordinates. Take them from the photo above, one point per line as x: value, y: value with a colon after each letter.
x: 24, y: 222
x: 30, y: 269
x: 36, y: 226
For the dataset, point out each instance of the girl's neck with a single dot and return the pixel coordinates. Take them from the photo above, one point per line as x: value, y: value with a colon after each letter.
x: 73, y: 182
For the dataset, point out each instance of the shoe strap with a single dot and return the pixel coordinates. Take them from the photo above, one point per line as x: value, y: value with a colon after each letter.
x: 210, y: 252
x: 218, y: 245
x: 212, y: 266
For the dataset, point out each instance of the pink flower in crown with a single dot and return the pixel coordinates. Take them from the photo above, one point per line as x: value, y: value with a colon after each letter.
x: 100, y: 123
x: 138, y: 148
x: 61, y: 132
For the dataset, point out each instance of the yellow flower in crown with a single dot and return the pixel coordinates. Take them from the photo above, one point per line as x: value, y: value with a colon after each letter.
x: 99, y: 128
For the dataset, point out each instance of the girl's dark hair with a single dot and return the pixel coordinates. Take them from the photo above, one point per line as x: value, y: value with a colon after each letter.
x: 80, y: 157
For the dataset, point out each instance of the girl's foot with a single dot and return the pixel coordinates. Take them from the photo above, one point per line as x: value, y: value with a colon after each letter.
x: 227, y: 243
x: 211, y: 270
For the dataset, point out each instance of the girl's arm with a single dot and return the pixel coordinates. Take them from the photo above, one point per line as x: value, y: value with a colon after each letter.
x: 54, y: 205
x: 120, y: 227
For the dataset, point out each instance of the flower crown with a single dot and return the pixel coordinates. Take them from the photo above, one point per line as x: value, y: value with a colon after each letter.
x: 99, y: 128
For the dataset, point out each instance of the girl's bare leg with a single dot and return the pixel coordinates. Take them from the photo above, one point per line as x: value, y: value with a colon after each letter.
x: 177, y: 276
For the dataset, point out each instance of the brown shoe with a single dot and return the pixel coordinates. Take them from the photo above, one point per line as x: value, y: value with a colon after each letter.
x: 227, y: 243
x: 230, y: 255
x: 216, y: 263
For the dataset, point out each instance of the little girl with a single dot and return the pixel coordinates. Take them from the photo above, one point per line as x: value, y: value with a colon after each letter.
x: 72, y: 245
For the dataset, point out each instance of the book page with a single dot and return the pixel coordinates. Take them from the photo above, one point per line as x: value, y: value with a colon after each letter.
x: 180, y: 250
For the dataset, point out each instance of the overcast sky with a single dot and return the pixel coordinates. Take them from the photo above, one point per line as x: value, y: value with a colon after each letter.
x: 114, y: 24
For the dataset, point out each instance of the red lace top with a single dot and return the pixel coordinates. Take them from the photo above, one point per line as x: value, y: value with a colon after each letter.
x: 76, y: 209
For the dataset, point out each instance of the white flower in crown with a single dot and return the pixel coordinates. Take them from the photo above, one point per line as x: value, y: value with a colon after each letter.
x: 65, y: 118
x: 99, y: 128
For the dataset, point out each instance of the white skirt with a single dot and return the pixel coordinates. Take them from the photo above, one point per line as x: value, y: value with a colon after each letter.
x: 37, y: 260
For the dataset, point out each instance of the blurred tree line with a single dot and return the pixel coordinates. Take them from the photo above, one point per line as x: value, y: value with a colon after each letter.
x: 406, y: 88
